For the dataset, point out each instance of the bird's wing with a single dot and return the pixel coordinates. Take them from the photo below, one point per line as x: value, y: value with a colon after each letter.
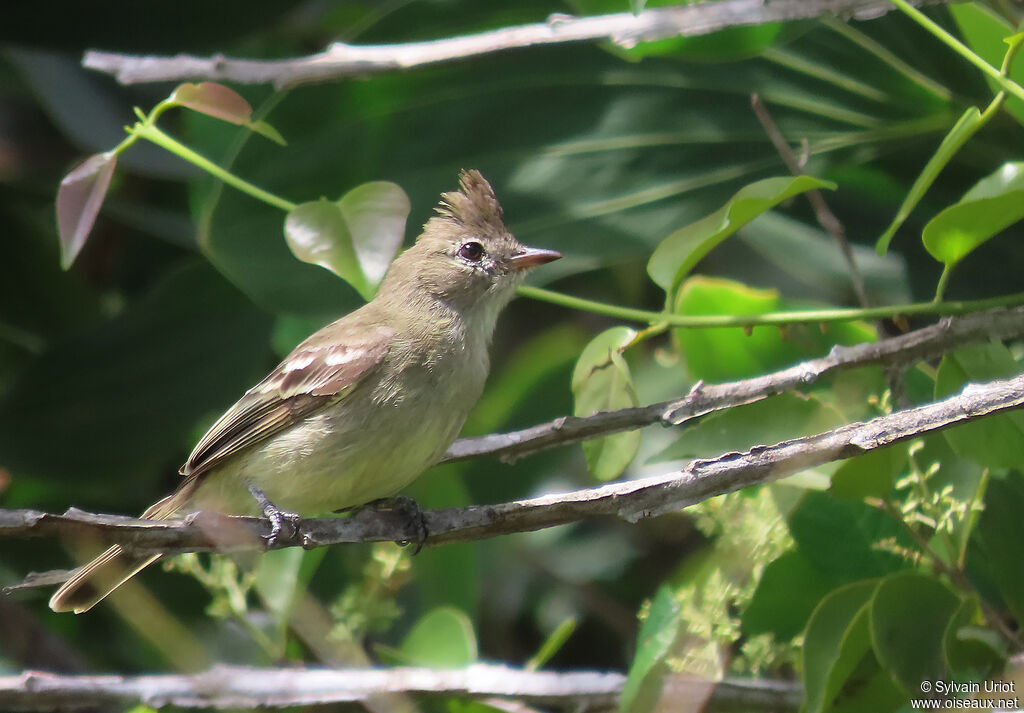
x: 316, y: 374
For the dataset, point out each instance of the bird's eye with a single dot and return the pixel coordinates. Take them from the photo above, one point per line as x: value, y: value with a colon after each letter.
x: 471, y: 251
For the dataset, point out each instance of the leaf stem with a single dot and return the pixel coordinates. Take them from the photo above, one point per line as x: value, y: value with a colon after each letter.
x: 940, y: 289
x: 149, y: 132
x: 815, y: 316
x: 960, y: 48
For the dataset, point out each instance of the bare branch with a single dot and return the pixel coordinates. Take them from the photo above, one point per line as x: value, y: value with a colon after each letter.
x: 342, y: 60
x: 243, y: 687
x: 824, y: 215
x: 926, y: 343
x: 631, y: 500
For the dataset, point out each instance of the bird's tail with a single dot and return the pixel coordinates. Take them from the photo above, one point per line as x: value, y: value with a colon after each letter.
x: 95, y: 580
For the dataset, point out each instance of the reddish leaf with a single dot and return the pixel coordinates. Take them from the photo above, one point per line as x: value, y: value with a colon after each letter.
x: 214, y: 100
x: 79, y: 199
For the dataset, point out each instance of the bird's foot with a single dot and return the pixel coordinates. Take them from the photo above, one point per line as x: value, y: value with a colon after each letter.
x: 278, y: 517
x: 406, y: 508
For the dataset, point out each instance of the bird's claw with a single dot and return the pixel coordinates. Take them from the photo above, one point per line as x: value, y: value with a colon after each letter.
x: 277, y: 517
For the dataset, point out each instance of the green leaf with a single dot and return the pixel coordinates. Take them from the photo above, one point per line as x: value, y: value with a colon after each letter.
x: 909, y: 616
x: 969, y: 648
x: 654, y: 643
x: 677, y: 254
x: 996, y: 441
x: 964, y: 128
x: 1000, y: 534
x: 442, y: 638
x: 79, y: 198
x: 355, y: 237
x: 837, y: 639
x: 317, y: 234
x: 840, y: 537
x: 375, y: 214
x: 764, y: 422
x: 986, y: 33
x: 717, y: 355
x: 789, y: 590
x: 86, y: 411
x: 869, y: 475
x: 267, y: 131
x: 601, y: 381
x: 992, y: 205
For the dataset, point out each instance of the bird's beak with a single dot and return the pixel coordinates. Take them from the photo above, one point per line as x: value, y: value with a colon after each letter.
x: 532, y: 257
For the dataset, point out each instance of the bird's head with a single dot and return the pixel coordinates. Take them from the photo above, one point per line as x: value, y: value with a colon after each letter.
x: 465, y: 255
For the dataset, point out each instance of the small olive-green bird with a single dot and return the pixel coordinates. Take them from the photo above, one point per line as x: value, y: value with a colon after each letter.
x: 362, y: 407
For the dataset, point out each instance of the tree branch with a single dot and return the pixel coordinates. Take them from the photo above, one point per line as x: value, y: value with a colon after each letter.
x: 243, y: 687
x: 630, y: 500
x: 343, y: 60
x: 921, y: 344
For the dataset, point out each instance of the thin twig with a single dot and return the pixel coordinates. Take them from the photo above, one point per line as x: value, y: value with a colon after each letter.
x: 342, y: 60
x: 630, y: 500
x: 243, y: 687
x: 824, y: 215
x: 926, y: 343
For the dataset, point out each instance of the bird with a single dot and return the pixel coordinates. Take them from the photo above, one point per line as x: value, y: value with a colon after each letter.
x: 362, y: 407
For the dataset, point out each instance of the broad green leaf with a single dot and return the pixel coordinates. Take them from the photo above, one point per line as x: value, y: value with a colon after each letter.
x: 868, y: 475
x: 375, y: 214
x: 355, y: 237
x: 85, y: 411
x: 79, y: 198
x: 789, y: 590
x: 836, y: 640
x: 1000, y: 535
x: 214, y: 100
x: 995, y: 441
x: 317, y: 234
x: 909, y: 616
x: 840, y: 538
x: 764, y: 422
x: 442, y: 638
x: 654, y: 643
x: 986, y: 32
x: 717, y: 355
x: 993, y: 204
x: 677, y: 254
x: 964, y: 128
x: 601, y: 381
x: 970, y: 648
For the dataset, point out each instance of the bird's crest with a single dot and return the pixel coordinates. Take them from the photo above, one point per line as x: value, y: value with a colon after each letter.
x: 474, y: 205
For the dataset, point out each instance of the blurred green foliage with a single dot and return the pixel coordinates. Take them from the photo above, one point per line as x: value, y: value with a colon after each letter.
x: 883, y: 569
